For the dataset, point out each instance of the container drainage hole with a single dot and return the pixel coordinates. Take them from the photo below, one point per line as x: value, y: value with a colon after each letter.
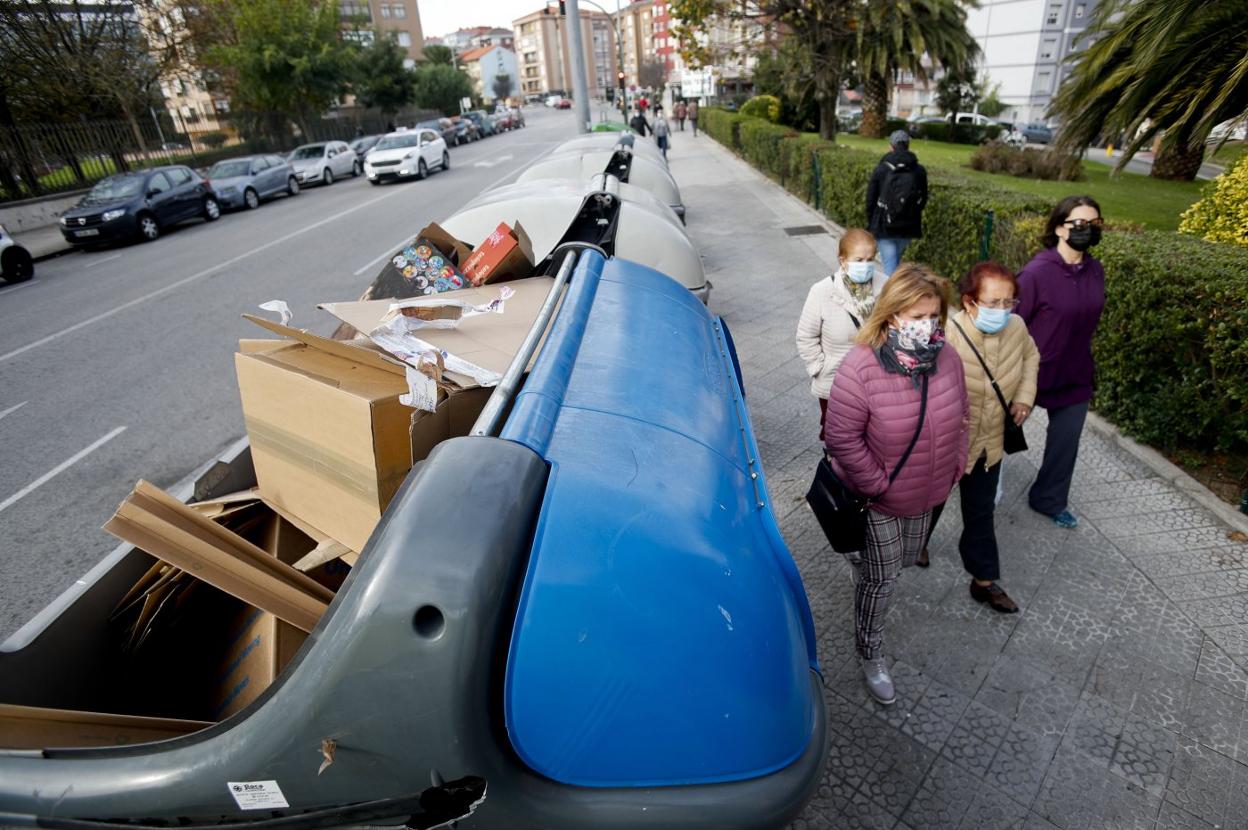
x: 429, y: 622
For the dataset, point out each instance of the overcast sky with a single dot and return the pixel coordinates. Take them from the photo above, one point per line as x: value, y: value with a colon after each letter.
x: 439, y: 17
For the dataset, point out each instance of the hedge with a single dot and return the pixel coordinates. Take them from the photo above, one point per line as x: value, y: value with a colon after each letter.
x: 1172, y: 348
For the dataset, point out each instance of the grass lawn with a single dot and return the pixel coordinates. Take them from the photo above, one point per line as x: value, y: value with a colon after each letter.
x: 1228, y: 152
x: 1129, y: 197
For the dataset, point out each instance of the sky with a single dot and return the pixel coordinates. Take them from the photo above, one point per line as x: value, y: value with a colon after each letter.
x: 440, y: 17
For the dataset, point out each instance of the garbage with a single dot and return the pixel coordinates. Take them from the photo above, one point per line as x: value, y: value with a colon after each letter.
x: 431, y: 264
x: 505, y: 254
x: 34, y: 727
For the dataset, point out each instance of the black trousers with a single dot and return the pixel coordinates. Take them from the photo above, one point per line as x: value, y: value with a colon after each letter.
x: 978, y: 543
x: 1051, y: 491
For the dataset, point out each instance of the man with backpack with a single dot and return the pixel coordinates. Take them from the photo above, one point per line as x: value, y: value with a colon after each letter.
x: 896, y: 196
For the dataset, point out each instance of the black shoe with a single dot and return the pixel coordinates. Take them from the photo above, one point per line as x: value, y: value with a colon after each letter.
x: 923, y: 561
x: 998, y: 600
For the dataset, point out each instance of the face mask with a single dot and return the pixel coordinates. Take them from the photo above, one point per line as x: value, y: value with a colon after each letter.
x: 1083, y: 238
x: 916, y: 334
x: 991, y: 320
x: 860, y: 272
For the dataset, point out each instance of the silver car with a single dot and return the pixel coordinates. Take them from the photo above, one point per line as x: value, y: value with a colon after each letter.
x: 324, y: 161
x: 243, y: 182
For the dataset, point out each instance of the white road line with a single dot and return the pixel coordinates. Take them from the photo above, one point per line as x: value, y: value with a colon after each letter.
x: 13, y: 409
x: 57, y: 470
x: 10, y: 289
x: 494, y: 163
x: 43, y: 341
x: 96, y: 262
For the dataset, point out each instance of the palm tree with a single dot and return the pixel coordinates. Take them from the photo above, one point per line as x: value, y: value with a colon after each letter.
x: 1157, y: 69
x: 896, y: 35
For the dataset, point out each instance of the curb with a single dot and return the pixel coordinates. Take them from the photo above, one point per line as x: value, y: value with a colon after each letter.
x: 1167, y: 470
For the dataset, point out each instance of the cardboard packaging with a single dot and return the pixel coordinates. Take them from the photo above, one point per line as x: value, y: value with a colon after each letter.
x: 432, y: 263
x: 32, y: 727
x: 506, y: 254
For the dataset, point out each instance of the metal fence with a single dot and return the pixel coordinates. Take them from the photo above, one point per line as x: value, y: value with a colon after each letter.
x: 46, y: 159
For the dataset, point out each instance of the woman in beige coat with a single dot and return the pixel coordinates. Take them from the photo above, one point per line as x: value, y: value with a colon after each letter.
x: 835, y: 308
x: 985, y: 325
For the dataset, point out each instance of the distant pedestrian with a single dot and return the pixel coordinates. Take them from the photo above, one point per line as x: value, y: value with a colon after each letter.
x: 639, y: 124
x: 693, y: 116
x: 896, y: 196
x: 835, y: 309
x: 895, y: 434
x: 1001, y: 363
x: 662, y: 130
x: 643, y: 104
x: 681, y: 112
x: 1062, y: 293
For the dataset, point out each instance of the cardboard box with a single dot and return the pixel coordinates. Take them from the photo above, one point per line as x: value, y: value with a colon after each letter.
x: 432, y: 263
x: 32, y: 727
x: 506, y: 254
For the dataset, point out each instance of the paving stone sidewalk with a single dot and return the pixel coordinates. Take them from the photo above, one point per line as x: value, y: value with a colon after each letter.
x: 1116, y: 699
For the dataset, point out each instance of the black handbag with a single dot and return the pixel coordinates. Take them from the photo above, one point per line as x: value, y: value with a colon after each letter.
x: 1015, y: 439
x: 842, y: 513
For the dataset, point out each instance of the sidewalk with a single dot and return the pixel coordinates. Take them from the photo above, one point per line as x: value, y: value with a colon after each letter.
x: 1116, y: 699
x: 43, y: 242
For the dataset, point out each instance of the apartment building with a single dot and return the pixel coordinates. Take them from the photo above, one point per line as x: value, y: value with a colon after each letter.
x: 400, y: 18
x: 485, y: 63
x: 544, y: 57
x: 474, y: 37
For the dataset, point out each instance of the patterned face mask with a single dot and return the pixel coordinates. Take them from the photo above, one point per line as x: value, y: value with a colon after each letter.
x: 916, y: 334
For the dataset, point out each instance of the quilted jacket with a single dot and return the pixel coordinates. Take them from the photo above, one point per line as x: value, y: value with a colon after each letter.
x: 872, y: 415
x: 826, y: 332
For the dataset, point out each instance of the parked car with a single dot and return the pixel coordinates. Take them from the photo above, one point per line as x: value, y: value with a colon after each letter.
x: 563, y: 104
x: 1037, y: 133
x: 243, y: 182
x: 364, y: 143
x: 443, y: 127
x: 517, y: 117
x: 484, y: 121
x: 407, y: 154
x: 16, y: 264
x: 465, y: 130
x: 324, y: 161
x: 142, y: 204
x: 504, y: 119
x: 553, y: 100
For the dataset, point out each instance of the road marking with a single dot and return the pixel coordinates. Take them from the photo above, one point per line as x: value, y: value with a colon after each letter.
x: 43, y: 341
x: 9, y: 289
x: 58, y: 469
x: 13, y: 409
x: 494, y: 163
x: 384, y: 254
x: 96, y: 262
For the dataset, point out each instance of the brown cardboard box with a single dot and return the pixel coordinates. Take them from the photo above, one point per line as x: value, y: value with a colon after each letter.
x: 506, y: 254
x: 31, y: 727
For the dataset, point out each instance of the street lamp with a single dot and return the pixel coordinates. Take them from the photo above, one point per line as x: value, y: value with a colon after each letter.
x: 619, y: 48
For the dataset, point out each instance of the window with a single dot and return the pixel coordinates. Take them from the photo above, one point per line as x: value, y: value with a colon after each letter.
x: 179, y: 176
x: 400, y: 10
x: 1080, y: 8
x: 355, y: 8
x: 158, y: 184
x: 1055, y: 14
x: 274, y: 161
x: 385, y: 9
x: 1048, y: 51
x: 428, y: 136
x: 1044, y: 82
x: 405, y: 39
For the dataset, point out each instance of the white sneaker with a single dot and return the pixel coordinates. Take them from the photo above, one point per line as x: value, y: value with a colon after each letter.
x: 879, y: 681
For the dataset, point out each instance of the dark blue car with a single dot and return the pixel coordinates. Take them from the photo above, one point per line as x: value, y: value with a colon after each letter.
x: 139, y: 205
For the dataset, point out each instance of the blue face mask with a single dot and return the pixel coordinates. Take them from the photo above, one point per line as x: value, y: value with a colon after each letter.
x: 991, y: 320
x: 860, y: 272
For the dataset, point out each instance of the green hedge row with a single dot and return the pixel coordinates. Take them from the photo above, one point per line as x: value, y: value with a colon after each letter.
x: 1172, y: 349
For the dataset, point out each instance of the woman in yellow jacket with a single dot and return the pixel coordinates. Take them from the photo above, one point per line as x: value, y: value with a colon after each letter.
x: 986, y: 329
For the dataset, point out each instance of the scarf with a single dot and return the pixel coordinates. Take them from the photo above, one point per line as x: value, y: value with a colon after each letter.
x: 901, y: 356
x: 862, y: 297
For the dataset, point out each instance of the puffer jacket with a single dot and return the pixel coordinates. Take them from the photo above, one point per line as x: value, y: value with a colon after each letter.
x: 873, y: 414
x: 1012, y: 356
x: 826, y: 332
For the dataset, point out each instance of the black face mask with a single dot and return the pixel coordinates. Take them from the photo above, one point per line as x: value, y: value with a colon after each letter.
x: 1083, y: 238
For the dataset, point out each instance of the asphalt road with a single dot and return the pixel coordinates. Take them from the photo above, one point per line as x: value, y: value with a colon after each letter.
x: 119, y: 365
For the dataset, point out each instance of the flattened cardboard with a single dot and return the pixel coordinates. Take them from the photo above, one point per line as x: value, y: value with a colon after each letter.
x: 356, y: 351
x: 32, y: 727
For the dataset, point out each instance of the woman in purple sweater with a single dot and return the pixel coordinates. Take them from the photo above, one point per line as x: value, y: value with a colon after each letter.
x: 1061, y: 296
x: 898, y: 381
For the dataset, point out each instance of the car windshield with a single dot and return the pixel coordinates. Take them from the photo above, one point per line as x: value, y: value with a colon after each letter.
x: 392, y: 142
x: 226, y: 169
x: 115, y: 187
x: 311, y: 151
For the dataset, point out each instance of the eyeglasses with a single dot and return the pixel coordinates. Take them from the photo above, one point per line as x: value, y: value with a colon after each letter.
x: 1004, y: 305
x: 1080, y: 224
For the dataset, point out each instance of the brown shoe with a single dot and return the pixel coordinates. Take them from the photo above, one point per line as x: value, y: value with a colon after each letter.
x: 998, y: 600
x: 923, y: 561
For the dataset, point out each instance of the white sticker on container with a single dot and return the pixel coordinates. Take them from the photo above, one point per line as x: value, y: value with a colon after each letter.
x: 257, y: 795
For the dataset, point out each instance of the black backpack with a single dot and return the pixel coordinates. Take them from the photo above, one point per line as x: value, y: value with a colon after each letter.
x: 900, y: 196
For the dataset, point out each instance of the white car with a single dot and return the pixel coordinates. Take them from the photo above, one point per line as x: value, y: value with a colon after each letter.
x: 324, y: 161
x: 16, y: 264
x: 406, y: 154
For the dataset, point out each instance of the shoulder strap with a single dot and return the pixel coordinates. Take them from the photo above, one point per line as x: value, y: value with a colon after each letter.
x: 857, y: 323
x: 987, y: 371
x: 917, y: 431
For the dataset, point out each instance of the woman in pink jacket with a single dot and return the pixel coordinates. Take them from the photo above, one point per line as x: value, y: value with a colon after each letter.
x: 898, y: 382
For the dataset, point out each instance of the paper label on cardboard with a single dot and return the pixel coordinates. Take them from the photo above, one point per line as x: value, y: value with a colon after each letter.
x: 281, y: 308
x: 412, y: 350
x: 407, y: 316
x: 422, y: 391
x: 257, y: 795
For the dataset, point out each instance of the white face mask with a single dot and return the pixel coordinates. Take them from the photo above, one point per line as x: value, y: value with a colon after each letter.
x: 860, y: 272
x: 916, y: 334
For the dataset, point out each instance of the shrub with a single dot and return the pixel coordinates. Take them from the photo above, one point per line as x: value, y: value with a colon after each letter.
x: 1222, y: 214
x: 955, y: 133
x: 763, y: 106
x: 213, y: 140
x: 998, y: 157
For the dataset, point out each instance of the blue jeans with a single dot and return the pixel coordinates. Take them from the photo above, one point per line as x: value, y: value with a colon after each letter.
x: 890, y: 252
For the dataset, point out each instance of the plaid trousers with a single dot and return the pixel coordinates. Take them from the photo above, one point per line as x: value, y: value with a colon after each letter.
x: 893, y: 543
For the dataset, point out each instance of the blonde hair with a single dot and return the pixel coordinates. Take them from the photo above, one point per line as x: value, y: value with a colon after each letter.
x: 852, y: 237
x: 909, y: 284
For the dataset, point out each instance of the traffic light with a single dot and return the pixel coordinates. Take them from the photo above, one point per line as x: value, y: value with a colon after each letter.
x: 620, y: 75
x: 563, y: 8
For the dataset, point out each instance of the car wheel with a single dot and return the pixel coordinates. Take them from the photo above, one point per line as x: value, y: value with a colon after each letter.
x: 422, y: 170
x: 212, y: 209
x: 374, y: 181
x: 327, y: 177
x: 149, y: 228
x: 250, y: 200
x: 16, y: 265
x: 292, y: 186
x: 357, y: 169
x: 446, y: 160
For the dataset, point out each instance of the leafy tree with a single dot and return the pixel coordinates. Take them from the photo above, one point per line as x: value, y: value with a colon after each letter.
x: 652, y: 75
x: 503, y: 85
x: 440, y: 87
x: 991, y: 104
x: 439, y: 54
x: 899, y: 35
x: 957, y: 90
x: 381, y: 80
x: 1150, y: 70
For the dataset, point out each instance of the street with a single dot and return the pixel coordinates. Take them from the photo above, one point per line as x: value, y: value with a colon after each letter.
x: 118, y: 365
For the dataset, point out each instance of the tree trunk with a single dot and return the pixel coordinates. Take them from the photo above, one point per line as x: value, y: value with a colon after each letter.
x: 1180, y: 162
x: 827, y: 90
x: 874, y: 106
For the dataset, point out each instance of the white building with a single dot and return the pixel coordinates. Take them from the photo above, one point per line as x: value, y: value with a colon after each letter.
x: 485, y: 63
x: 1025, y: 44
